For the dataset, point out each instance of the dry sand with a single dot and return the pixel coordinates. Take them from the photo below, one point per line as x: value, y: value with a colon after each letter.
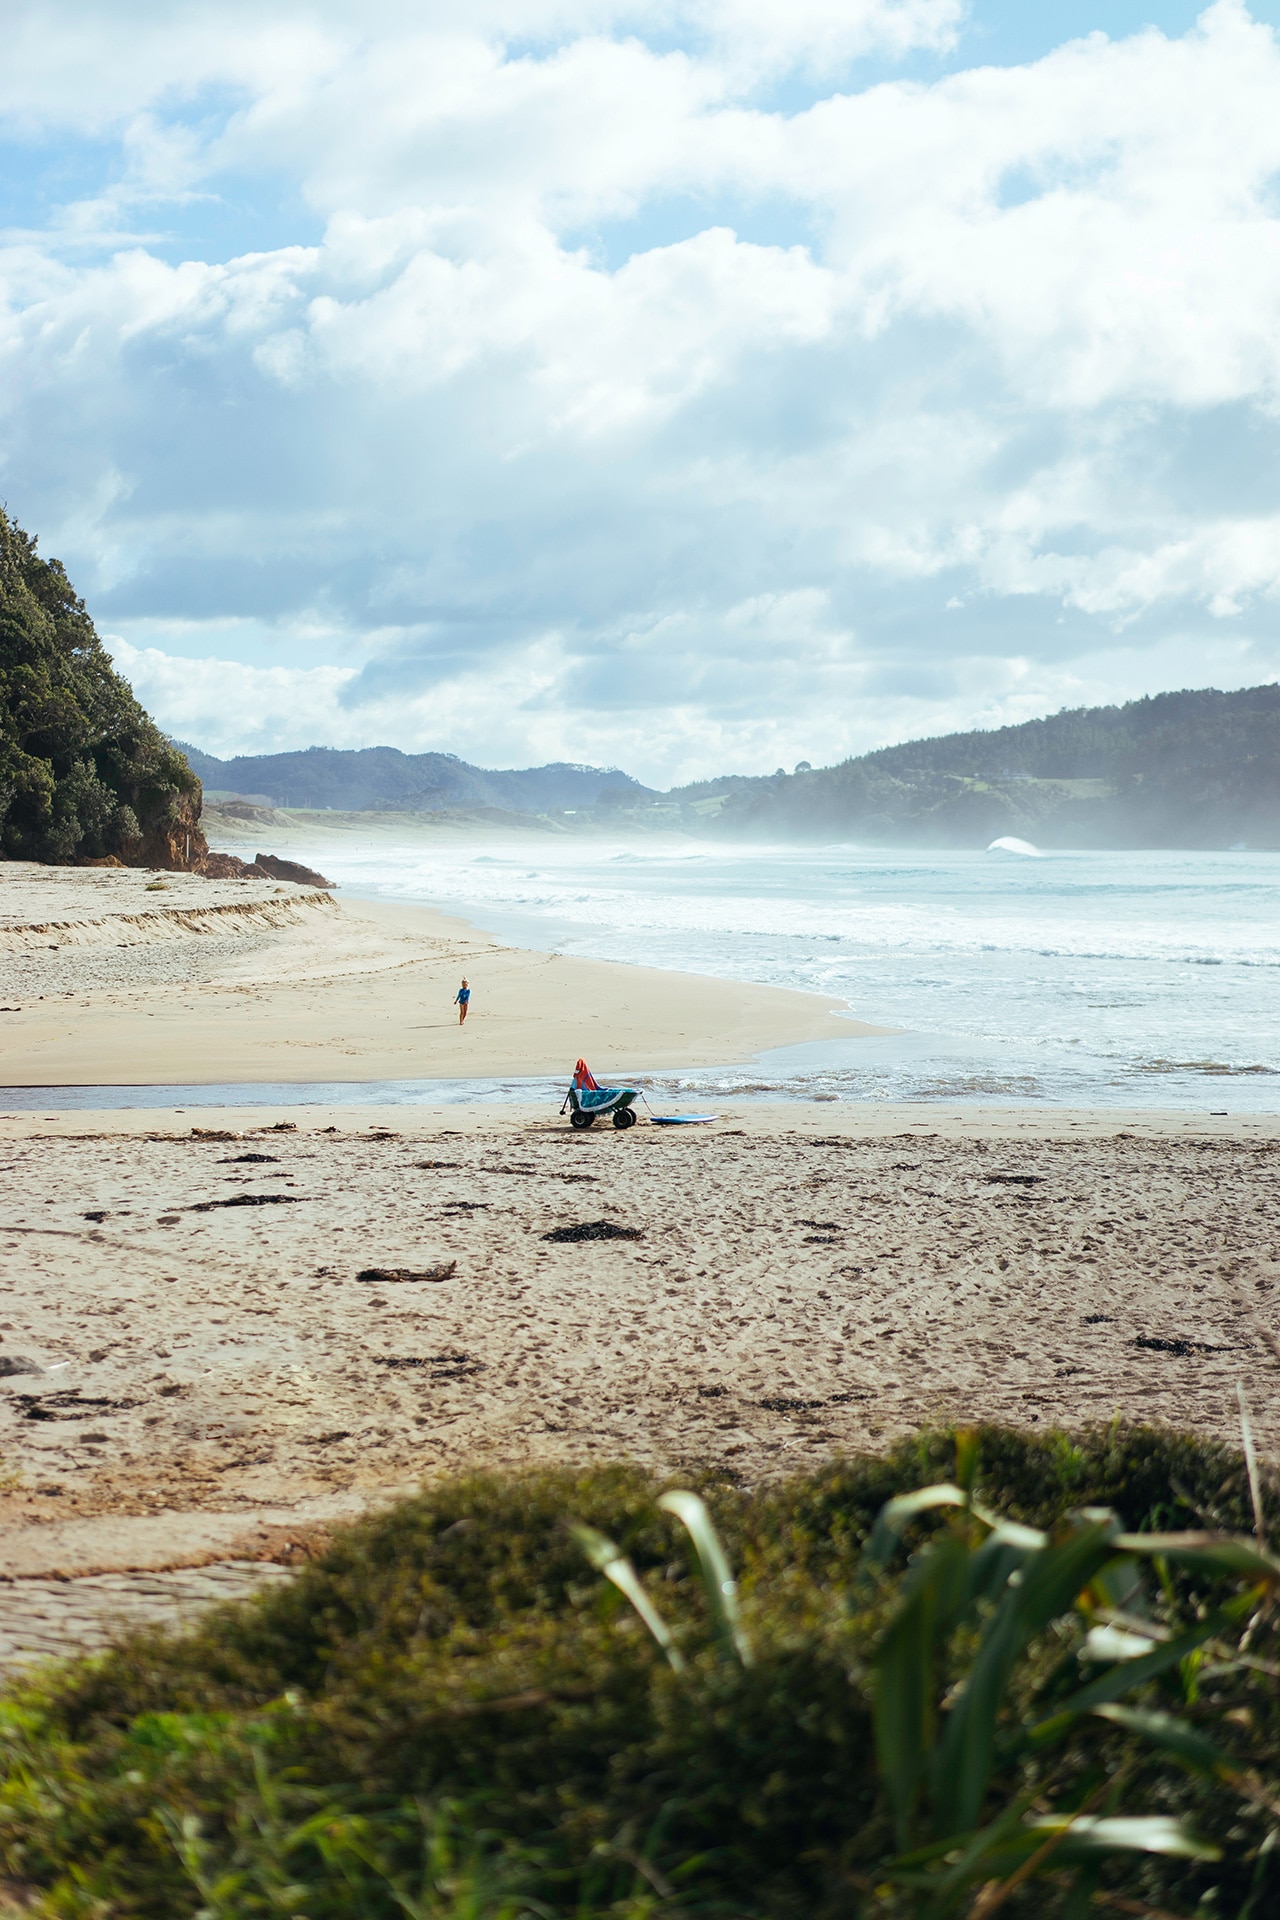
x: 126, y: 977
x: 210, y: 1379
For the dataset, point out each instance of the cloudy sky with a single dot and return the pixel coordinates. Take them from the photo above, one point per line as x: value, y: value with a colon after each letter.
x: 694, y: 385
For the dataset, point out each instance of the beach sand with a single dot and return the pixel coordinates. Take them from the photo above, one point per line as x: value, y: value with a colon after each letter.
x: 129, y: 977
x: 196, y: 1370
x: 209, y: 1378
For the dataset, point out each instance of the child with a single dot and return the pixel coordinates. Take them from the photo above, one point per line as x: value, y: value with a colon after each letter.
x: 462, y: 1000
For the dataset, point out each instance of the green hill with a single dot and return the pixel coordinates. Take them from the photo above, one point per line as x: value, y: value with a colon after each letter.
x: 382, y: 779
x: 84, y: 773
x: 1195, y: 769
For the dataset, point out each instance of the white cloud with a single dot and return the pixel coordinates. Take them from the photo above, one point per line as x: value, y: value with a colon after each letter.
x: 93, y: 64
x: 588, y: 390
x: 229, y: 707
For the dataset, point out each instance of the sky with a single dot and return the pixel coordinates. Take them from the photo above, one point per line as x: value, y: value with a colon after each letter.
x: 694, y: 387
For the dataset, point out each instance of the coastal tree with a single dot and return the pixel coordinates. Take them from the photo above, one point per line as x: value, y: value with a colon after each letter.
x: 85, y: 774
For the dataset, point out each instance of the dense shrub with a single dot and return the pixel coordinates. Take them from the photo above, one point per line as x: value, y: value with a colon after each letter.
x: 84, y: 773
x: 448, y: 1712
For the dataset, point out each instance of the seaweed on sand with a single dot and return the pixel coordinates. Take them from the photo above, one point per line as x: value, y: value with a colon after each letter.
x: 593, y: 1230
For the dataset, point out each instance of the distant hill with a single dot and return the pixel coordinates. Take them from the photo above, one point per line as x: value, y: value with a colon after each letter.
x: 354, y: 780
x: 1195, y: 769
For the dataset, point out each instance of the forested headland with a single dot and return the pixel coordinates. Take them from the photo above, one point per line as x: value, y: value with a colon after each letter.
x: 85, y: 774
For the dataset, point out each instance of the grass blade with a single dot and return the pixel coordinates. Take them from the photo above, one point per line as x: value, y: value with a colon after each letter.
x: 1051, y: 1579
x: 967, y: 1448
x: 905, y: 1712
x: 1251, y: 1466
x: 904, y: 1706
x: 896, y: 1515
x: 1222, y: 1552
x: 722, y: 1588
x: 1127, y: 1674
x: 1054, y: 1840
x: 1009, y: 1533
x: 1126, y: 1833
x: 1185, y: 1742
x: 610, y: 1560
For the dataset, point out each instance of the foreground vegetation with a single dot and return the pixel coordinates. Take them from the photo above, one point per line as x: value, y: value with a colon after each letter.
x: 1042, y: 1681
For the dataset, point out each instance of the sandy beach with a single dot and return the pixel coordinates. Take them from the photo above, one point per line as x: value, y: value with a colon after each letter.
x: 224, y: 1330
x: 129, y: 977
x: 204, y: 1348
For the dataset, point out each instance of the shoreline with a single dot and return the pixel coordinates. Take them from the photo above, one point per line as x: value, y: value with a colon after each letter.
x: 182, y: 981
x: 511, y: 1092
x: 799, y: 1120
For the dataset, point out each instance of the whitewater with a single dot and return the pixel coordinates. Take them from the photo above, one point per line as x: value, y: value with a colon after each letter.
x: 1081, y: 979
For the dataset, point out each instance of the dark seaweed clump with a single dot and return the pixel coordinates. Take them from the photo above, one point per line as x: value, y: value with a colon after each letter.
x: 593, y: 1230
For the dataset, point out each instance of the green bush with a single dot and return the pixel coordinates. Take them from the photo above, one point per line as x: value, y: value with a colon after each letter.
x: 450, y: 1713
x: 84, y: 773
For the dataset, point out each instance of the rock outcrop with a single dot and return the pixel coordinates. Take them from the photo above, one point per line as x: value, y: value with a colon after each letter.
x: 229, y: 866
x: 277, y: 869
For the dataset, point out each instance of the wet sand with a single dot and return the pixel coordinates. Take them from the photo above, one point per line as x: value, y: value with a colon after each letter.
x: 112, y: 977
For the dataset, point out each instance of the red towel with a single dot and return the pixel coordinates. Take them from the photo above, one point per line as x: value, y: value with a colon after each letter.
x: 583, y: 1078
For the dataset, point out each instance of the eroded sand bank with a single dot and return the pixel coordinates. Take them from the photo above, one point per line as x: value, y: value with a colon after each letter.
x: 190, y: 1376
x: 123, y: 977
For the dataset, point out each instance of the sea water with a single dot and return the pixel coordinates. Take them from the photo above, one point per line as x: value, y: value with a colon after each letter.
x: 1082, y: 979
x: 1007, y: 976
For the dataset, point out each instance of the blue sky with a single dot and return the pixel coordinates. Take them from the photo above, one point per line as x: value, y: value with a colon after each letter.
x: 698, y: 386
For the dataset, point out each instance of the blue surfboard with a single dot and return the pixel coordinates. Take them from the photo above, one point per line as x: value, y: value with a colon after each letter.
x: 682, y: 1119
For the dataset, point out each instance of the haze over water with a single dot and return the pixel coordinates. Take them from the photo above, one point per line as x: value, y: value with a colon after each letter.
x: 1114, y: 979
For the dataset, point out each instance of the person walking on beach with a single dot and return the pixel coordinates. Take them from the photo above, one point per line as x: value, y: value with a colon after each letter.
x: 462, y: 1000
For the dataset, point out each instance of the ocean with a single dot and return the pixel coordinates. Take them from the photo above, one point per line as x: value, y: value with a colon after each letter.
x: 1072, y: 979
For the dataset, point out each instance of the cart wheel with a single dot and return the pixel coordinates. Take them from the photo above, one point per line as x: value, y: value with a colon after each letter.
x: 624, y: 1118
x: 581, y: 1120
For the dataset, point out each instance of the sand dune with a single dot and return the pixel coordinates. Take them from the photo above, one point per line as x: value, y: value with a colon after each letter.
x: 49, y: 909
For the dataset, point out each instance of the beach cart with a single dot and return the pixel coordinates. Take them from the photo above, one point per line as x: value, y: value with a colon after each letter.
x: 587, y: 1101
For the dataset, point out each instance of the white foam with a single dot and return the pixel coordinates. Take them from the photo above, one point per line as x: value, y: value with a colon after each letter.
x: 1007, y: 843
